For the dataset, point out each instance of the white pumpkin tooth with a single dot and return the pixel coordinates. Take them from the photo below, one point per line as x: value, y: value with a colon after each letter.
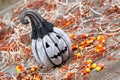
x: 56, y: 56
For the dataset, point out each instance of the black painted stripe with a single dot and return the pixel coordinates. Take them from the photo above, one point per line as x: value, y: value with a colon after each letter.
x: 37, y: 50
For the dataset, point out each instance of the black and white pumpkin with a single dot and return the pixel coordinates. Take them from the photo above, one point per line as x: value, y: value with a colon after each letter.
x: 50, y: 46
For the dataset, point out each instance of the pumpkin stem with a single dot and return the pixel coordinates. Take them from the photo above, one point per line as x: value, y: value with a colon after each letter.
x: 40, y: 27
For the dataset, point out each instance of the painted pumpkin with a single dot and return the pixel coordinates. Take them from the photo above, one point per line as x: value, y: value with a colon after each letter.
x: 50, y: 45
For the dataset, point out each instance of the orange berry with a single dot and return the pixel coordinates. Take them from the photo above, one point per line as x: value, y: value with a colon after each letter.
x: 89, y: 61
x: 94, y: 65
x: 100, y: 49
x: 78, y: 54
x: 74, y: 47
x: 84, y: 72
x: 34, y: 68
x: 27, y: 78
x: 101, y: 38
x: 101, y: 66
x: 72, y: 36
x: 84, y: 35
x: 98, y: 68
x: 81, y: 47
x: 87, y: 70
x: 19, y: 68
x: 68, y: 23
x: 82, y: 43
x: 92, y: 38
x: 88, y: 42
x: 37, y: 77
x: 90, y: 67
x: 99, y: 46
x: 69, y: 73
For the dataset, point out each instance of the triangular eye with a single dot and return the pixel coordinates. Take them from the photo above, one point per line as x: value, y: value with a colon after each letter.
x: 58, y: 36
x: 47, y: 45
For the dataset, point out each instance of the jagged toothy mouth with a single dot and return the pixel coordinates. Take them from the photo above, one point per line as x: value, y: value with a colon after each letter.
x: 60, y: 53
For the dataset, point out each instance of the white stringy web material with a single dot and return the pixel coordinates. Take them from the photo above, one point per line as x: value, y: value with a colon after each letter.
x: 92, y: 17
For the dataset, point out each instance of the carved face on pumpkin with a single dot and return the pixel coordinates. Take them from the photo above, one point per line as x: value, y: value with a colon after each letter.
x: 50, y: 46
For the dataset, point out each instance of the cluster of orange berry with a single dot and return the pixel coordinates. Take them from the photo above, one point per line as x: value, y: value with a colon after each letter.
x: 20, y: 69
x: 89, y: 41
x: 90, y: 66
x: 37, y: 77
x: 100, y: 47
x: 84, y: 43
